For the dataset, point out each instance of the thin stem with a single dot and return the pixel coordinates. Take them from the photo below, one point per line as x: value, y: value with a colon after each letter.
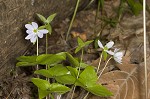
x: 46, y: 51
x: 99, y: 63
x: 74, y: 14
x: 37, y: 51
x: 86, y: 95
x: 104, y: 67
x: 74, y: 87
x: 145, y: 53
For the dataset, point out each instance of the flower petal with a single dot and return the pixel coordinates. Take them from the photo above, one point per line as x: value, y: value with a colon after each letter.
x: 33, y: 39
x: 110, y: 52
x: 44, y: 31
x: 100, y: 44
x: 29, y: 31
x: 116, y: 50
x: 118, y: 57
x: 29, y: 36
x: 40, y: 35
x: 109, y: 44
x: 35, y: 25
x: 29, y: 27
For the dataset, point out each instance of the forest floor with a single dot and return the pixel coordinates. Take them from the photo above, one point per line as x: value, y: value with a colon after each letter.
x: 126, y: 79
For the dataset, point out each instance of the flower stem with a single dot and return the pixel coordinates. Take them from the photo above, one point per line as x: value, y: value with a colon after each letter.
x: 99, y: 63
x: 104, y: 67
x: 37, y: 53
x: 46, y: 52
x: 74, y: 87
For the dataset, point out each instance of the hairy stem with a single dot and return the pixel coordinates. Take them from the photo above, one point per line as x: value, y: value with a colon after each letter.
x: 74, y: 14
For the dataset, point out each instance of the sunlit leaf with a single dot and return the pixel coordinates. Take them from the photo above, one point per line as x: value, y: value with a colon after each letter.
x: 42, y: 18
x: 51, y: 17
x: 58, y: 88
x: 99, y: 90
x: 44, y: 72
x: 41, y: 84
x: 26, y: 64
x: 65, y: 79
x: 42, y: 93
x: 72, y: 60
x: 27, y: 58
x: 49, y: 59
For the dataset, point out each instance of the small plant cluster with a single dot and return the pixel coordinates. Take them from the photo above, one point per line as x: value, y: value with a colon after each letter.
x: 59, y: 76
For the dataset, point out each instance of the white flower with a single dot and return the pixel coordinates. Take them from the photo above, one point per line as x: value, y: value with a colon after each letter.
x: 116, y: 55
x: 107, y: 46
x: 33, y: 32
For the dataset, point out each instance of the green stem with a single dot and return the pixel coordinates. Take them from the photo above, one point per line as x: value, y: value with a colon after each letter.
x: 46, y: 51
x: 37, y: 51
x: 74, y: 14
x: 104, y: 67
x: 74, y: 87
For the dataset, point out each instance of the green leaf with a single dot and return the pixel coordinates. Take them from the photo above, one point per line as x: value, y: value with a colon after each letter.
x: 49, y: 59
x: 80, y: 42
x: 51, y: 17
x: 99, y: 90
x: 27, y: 58
x: 42, y: 18
x: 63, y: 54
x: 72, y: 60
x: 78, y: 49
x: 44, y: 72
x: 88, y: 42
x: 42, y: 27
x: 65, y: 79
x: 42, y: 93
x: 58, y: 88
x: 73, y: 71
x: 101, y: 3
x: 58, y: 70
x: 137, y: 8
x: 83, y: 65
x: 49, y: 28
x: 88, y: 76
x: 41, y: 84
x: 26, y: 64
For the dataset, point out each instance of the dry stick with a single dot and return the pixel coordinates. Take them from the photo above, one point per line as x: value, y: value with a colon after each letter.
x: 145, y: 61
x: 11, y: 92
x: 74, y: 87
